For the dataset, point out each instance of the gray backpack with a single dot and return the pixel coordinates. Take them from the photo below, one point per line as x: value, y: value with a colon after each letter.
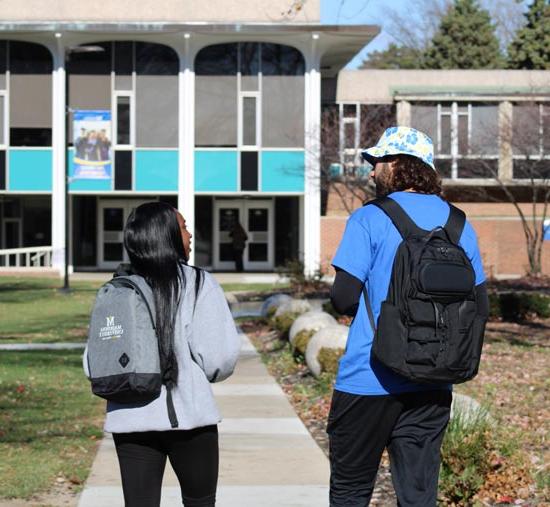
x: 123, y: 350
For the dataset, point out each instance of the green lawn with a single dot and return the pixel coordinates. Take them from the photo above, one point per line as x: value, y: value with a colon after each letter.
x: 50, y: 422
x: 32, y: 310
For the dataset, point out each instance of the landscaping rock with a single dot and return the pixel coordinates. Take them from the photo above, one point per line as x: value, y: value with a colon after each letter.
x: 296, y: 306
x: 330, y: 337
x: 273, y: 302
x: 310, y: 321
x: 469, y: 409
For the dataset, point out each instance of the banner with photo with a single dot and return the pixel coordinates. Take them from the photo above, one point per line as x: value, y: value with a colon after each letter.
x: 92, y: 157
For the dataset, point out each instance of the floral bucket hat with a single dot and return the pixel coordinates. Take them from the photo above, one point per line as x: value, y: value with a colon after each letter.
x: 402, y: 141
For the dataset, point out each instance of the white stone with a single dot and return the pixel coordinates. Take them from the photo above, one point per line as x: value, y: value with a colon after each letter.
x: 469, y: 409
x: 273, y: 301
x: 310, y: 321
x: 293, y: 306
x: 330, y: 337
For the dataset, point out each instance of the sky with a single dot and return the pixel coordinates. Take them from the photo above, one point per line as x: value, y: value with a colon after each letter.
x: 360, y: 12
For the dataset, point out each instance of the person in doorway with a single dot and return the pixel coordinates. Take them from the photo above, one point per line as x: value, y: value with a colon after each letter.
x: 238, y: 241
x: 374, y: 408
x: 196, y: 350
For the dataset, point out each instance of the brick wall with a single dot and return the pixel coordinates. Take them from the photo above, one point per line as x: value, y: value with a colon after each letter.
x: 499, y: 230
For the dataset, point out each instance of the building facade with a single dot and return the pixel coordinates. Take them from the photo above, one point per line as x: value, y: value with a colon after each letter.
x: 222, y: 118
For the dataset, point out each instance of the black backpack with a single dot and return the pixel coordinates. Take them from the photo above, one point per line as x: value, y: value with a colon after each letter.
x: 429, y: 329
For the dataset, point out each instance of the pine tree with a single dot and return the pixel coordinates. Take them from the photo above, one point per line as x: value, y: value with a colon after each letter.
x: 530, y: 48
x: 465, y: 40
x: 394, y: 57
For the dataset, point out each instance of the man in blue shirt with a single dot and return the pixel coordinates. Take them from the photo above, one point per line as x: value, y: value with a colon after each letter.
x: 374, y: 408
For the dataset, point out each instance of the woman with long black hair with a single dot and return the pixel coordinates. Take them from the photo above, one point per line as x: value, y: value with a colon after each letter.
x: 198, y: 344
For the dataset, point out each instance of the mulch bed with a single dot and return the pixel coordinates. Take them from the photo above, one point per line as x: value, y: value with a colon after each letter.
x: 513, y: 382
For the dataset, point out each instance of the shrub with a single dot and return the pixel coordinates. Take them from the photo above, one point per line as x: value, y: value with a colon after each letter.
x: 329, y: 358
x: 302, y: 339
x: 301, y: 283
x: 518, y: 306
x: 283, y: 322
x: 475, y: 458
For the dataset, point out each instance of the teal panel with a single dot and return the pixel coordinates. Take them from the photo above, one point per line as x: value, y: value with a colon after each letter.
x: 156, y: 170
x: 30, y: 170
x: 216, y: 171
x: 283, y: 171
x: 86, y: 185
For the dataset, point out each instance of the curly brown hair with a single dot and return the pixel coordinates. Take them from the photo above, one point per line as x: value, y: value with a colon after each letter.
x: 412, y: 173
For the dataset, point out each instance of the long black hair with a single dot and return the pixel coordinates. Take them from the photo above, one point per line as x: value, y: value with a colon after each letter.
x: 153, y: 240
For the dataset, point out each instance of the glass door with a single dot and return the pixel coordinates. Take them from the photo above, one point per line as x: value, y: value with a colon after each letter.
x: 256, y: 219
x: 112, y: 218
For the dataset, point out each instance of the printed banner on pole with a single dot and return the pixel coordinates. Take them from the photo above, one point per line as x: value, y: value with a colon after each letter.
x: 92, y: 158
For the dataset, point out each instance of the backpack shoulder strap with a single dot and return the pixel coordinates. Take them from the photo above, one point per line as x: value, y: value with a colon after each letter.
x: 403, y: 223
x: 126, y: 281
x: 455, y: 224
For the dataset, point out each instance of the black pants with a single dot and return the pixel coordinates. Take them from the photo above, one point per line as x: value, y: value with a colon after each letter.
x: 410, y: 425
x: 194, y: 457
x: 238, y: 258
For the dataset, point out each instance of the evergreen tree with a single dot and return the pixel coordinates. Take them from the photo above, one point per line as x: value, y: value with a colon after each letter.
x: 394, y: 57
x: 530, y: 48
x: 465, y: 40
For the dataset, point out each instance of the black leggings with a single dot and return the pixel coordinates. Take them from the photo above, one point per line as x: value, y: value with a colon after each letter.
x: 194, y: 457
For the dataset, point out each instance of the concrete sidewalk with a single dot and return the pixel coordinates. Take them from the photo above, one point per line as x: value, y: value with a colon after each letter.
x: 267, y: 456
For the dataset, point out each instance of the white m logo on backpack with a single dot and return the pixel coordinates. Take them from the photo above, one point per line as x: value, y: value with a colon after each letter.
x: 110, y: 321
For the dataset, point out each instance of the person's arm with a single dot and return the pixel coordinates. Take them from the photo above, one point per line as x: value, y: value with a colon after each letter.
x: 214, y: 341
x: 346, y: 293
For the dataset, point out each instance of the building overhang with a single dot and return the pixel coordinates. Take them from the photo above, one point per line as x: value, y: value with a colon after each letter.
x: 336, y: 44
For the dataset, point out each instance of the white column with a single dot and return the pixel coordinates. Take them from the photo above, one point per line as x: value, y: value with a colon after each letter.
x: 505, y: 159
x: 58, y: 159
x: 403, y: 113
x: 312, y: 196
x: 186, y: 129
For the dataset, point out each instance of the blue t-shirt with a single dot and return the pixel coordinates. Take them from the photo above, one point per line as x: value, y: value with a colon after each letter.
x: 367, y: 251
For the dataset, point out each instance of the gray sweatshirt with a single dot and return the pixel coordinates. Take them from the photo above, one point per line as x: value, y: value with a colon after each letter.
x: 211, y: 336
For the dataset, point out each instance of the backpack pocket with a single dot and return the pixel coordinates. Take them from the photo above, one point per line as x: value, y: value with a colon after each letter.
x: 464, y: 348
x: 390, y: 340
x: 423, y: 346
x: 446, y: 279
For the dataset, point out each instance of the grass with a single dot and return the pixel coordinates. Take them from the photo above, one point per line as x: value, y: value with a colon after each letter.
x: 254, y: 287
x: 32, y: 310
x: 49, y: 421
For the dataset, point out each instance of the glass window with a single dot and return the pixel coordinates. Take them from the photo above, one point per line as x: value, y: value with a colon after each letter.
x: 124, y: 58
x: 156, y: 60
x: 249, y: 170
x: 546, y: 129
x: 257, y: 252
x: 112, y: 252
x: 424, y: 118
x: 92, y: 63
x: 526, y: 129
x: 123, y: 120
x: 123, y: 170
x: 257, y: 219
x: 249, y: 121
x: 113, y: 219
x: 471, y: 168
x: 484, y: 130
x: 3, y: 56
x: 349, y: 136
x: 375, y: 118
x: 463, y: 145
x: 278, y: 60
x: 29, y: 58
x: 249, y: 54
x: 217, y: 60
x: 350, y: 110
x: 444, y: 167
x: 2, y: 112
x: 2, y: 169
x: 445, y: 135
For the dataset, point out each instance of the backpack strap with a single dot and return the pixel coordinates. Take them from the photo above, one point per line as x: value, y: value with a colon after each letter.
x: 455, y: 224
x: 369, y: 310
x: 403, y: 223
